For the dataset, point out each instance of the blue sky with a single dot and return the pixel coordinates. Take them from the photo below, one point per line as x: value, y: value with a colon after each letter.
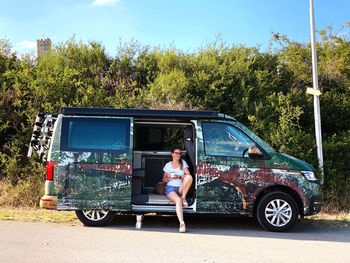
x: 184, y: 24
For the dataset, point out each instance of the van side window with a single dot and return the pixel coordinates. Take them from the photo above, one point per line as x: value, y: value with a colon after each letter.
x: 95, y: 135
x: 222, y: 139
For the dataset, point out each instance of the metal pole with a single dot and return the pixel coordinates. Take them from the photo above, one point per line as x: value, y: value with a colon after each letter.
x: 316, y: 97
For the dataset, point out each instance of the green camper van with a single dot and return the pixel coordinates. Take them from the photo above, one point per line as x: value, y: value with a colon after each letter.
x: 103, y: 161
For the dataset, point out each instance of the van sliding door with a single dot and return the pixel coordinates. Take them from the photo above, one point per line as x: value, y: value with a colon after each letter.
x: 95, y: 167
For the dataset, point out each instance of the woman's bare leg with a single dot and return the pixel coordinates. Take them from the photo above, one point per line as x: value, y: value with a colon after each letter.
x: 178, y: 203
x: 185, y: 186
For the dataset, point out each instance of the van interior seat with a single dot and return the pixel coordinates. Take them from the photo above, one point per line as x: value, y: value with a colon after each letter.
x: 138, y: 176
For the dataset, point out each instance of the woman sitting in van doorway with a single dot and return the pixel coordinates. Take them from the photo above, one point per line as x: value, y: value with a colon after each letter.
x: 179, y: 180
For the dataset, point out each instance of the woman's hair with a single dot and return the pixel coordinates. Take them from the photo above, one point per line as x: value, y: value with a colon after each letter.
x: 181, y: 163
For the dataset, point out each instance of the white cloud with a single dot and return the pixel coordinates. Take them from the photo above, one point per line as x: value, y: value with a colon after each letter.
x: 104, y: 2
x: 25, y: 46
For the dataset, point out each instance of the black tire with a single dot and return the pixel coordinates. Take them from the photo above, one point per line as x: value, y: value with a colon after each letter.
x: 277, y: 211
x: 95, y: 217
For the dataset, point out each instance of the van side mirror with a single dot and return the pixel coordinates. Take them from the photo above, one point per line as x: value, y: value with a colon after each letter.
x: 255, y: 152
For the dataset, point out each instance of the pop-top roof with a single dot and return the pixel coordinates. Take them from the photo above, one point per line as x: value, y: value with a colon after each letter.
x: 143, y: 113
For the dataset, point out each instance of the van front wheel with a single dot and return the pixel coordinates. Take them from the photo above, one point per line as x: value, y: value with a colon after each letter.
x: 277, y: 211
x: 95, y: 217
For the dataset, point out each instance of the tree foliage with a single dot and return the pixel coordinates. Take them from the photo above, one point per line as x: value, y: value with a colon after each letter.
x: 263, y: 90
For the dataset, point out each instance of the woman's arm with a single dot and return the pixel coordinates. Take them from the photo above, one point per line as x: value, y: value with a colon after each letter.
x: 187, y: 172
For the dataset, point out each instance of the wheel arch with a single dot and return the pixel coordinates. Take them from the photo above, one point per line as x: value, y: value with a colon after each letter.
x: 284, y: 189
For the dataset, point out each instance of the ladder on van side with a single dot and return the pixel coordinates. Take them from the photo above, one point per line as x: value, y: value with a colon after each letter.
x: 42, y: 133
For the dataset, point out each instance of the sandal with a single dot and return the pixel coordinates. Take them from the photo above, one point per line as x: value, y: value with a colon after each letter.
x: 184, y: 202
x: 182, y: 228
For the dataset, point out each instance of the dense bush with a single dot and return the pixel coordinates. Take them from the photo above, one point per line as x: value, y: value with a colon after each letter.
x: 263, y: 90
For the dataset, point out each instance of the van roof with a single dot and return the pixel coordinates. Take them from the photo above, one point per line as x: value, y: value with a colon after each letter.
x: 144, y: 113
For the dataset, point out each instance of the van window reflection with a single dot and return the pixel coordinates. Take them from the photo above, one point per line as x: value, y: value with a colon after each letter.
x: 221, y: 139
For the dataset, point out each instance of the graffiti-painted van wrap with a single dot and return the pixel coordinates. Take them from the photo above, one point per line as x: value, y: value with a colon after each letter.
x: 96, y: 179
x: 231, y: 184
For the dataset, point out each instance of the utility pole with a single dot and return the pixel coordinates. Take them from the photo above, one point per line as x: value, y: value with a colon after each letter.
x: 316, y: 93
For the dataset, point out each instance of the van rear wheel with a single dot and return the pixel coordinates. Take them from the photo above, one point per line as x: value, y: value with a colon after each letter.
x: 95, y: 217
x: 277, y: 211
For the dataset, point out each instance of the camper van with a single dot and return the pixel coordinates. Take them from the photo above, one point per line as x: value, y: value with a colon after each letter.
x: 103, y: 161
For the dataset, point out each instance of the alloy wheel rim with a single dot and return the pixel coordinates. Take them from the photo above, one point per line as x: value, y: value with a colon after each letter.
x: 278, y: 212
x: 95, y: 215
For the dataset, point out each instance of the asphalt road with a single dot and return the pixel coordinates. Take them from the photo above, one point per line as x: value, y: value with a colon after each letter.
x: 210, y: 239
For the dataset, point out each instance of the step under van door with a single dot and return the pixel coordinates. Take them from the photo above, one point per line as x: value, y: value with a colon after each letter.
x: 95, y: 163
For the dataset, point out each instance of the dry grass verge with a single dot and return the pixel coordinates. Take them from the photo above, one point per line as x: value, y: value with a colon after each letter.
x: 26, y: 193
x: 41, y: 215
x: 341, y: 219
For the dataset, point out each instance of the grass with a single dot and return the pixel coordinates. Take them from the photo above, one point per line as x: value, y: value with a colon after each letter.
x: 37, y: 215
x: 341, y: 219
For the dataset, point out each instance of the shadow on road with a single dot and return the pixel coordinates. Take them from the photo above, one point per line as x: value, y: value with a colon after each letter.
x: 233, y: 226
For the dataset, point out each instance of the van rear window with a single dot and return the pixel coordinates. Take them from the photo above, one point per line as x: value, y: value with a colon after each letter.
x: 95, y: 135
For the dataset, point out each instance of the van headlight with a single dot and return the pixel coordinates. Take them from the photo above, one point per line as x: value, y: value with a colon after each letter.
x: 310, y: 176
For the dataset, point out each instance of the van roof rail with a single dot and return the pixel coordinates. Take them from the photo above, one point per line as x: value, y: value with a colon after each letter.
x: 142, y: 112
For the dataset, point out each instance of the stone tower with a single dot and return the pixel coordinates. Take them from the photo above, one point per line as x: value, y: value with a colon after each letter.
x: 42, y: 46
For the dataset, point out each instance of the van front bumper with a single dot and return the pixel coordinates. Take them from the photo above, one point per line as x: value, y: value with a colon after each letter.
x: 48, y: 202
x: 316, y: 203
